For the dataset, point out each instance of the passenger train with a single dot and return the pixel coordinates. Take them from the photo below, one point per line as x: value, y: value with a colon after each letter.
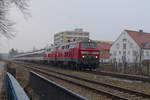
x: 77, y: 55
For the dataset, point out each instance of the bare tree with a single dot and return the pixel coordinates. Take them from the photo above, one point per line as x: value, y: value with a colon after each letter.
x: 6, y: 25
x: 13, y: 52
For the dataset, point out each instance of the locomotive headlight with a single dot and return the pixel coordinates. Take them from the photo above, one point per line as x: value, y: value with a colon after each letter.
x: 82, y: 56
x: 96, y: 57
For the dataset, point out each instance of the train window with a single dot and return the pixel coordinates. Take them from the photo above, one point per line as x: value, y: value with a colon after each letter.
x: 93, y: 45
x: 62, y: 47
x: 67, y: 46
x: 59, y: 48
x: 89, y: 45
x: 76, y: 45
x: 71, y: 46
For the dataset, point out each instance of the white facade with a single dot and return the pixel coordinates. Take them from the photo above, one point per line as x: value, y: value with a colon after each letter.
x: 127, y: 47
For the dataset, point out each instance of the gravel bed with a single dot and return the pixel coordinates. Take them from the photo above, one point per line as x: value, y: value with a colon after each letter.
x: 90, y: 95
x: 135, y: 85
x: 131, y: 97
x: 140, y: 86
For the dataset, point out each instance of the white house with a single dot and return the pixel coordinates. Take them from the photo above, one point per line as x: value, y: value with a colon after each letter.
x: 134, y: 46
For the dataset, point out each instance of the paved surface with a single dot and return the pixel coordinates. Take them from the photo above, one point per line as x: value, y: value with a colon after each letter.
x: 1, y: 75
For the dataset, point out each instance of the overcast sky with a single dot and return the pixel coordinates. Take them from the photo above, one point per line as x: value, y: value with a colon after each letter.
x: 104, y: 19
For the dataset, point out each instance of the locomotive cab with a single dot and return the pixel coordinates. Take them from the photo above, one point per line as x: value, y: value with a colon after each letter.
x: 89, y: 54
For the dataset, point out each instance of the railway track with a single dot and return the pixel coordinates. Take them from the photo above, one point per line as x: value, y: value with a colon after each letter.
x: 115, y: 75
x: 121, y: 76
x: 111, y: 91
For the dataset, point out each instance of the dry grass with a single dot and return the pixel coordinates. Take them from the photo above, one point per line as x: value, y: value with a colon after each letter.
x: 3, y: 95
x: 22, y: 76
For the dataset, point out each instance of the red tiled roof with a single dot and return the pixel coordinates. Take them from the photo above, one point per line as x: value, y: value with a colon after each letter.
x: 105, y: 55
x: 104, y: 49
x: 143, y: 40
x: 104, y: 45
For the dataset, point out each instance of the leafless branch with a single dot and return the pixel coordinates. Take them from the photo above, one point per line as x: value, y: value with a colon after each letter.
x: 6, y: 25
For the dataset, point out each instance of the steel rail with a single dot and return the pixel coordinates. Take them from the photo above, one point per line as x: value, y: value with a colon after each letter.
x: 105, y: 84
x: 121, y: 75
x: 108, y: 94
x: 138, y: 93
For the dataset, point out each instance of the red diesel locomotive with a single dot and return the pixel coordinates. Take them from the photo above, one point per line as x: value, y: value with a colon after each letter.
x: 77, y: 54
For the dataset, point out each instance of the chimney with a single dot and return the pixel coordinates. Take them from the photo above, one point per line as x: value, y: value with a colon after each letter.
x: 141, y: 32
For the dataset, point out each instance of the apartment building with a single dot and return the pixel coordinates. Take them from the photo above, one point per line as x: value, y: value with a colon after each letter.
x: 66, y: 36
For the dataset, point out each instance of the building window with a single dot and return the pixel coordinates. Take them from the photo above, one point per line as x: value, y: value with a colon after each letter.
x: 128, y: 52
x: 124, y: 53
x: 124, y: 40
x: 124, y: 46
x: 131, y: 45
x: 114, y: 60
x: 119, y: 52
x: 115, y: 53
x: 147, y: 53
x: 118, y: 45
x: 134, y: 53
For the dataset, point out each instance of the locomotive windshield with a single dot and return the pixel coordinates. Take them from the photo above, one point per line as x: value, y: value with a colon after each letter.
x: 89, y: 45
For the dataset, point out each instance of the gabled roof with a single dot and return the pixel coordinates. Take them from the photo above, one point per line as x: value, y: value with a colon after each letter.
x: 104, y: 45
x: 142, y: 39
